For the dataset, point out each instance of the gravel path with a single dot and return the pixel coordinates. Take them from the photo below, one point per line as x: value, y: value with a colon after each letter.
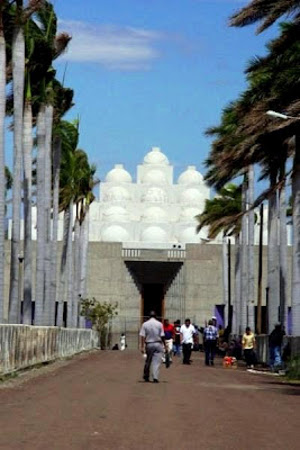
x: 98, y: 401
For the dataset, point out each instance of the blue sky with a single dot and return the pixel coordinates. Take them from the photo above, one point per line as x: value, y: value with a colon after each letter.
x: 152, y: 73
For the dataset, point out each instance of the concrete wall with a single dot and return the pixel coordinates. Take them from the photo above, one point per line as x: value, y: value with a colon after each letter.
x: 194, y: 292
x: 23, y: 346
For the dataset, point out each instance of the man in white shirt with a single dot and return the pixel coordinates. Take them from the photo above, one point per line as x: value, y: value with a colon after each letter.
x: 187, y: 332
x: 153, y: 342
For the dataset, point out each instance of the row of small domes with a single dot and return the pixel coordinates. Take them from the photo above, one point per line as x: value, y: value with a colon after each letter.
x: 190, y: 196
x: 156, y: 159
x: 152, y: 214
x: 152, y: 234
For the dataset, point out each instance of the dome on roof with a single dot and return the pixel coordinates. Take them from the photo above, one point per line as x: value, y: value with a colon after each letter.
x: 154, y: 176
x: 189, y: 236
x: 115, y: 233
x: 155, y: 156
x: 117, y: 194
x: 191, y: 197
x: 155, y: 195
x: 188, y: 214
x: 155, y: 214
x: 116, y: 214
x: 118, y: 175
x: 154, y: 234
x: 190, y: 176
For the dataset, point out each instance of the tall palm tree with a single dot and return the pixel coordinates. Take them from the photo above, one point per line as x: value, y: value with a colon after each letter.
x: 2, y: 157
x: 55, y: 45
x: 18, y: 72
x: 63, y: 102
x: 223, y: 214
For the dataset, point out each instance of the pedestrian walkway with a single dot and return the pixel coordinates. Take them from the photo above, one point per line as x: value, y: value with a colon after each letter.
x: 99, y: 401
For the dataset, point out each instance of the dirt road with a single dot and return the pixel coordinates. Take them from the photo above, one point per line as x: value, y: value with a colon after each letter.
x: 99, y: 401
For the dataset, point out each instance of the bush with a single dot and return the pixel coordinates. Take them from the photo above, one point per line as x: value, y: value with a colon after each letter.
x: 100, y: 314
x: 293, y: 369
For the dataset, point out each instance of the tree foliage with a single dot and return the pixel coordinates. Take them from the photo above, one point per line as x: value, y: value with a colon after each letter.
x: 100, y: 315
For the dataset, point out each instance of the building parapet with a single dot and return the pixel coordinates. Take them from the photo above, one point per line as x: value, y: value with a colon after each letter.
x: 154, y: 254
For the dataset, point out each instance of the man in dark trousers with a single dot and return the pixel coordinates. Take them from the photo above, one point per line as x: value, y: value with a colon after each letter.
x: 187, y: 332
x: 210, y: 336
x: 153, y: 342
x: 275, y: 344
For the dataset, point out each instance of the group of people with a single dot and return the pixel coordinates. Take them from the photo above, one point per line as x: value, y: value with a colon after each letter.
x: 158, y: 339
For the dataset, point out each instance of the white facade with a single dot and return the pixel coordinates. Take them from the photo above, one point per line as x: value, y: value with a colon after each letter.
x: 154, y: 210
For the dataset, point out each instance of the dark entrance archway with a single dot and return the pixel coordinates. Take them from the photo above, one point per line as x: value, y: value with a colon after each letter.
x: 153, y: 279
x: 153, y: 299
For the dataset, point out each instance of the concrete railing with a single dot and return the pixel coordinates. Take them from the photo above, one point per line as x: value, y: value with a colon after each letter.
x: 23, y: 346
x: 262, y: 347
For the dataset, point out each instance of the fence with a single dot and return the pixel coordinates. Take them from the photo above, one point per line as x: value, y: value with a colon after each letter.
x: 22, y: 346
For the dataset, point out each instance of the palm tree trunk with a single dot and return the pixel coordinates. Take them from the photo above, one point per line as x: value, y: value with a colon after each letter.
x: 225, y: 274
x: 62, y: 281
x: 27, y: 152
x: 244, y: 262
x: 251, y: 283
x: 84, y: 240
x: 273, y: 258
x: 41, y: 222
x: 49, y: 300
x: 77, y: 257
x: 283, y: 254
x: 237, y: 290
x: 69, y: 267
x: 55, y: 216
x: 2, y: 163
x: 296, y: 240
x: 18, y: 60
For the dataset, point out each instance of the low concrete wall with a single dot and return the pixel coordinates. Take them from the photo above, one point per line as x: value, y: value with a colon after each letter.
x: 23, y: 346
x: 262, y: 348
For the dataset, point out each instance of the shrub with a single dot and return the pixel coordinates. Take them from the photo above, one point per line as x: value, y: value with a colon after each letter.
x: 100, y: 315
x: 293, y: 369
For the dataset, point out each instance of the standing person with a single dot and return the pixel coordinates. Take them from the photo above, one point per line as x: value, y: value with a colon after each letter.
x: 169, y: 334
x: 123, y: 342
x: 177, y: 345
x: 187, y: 332
x: 152, y: 343
x: 210, y: 336
x: 248, y: 344
x: 275, y: 343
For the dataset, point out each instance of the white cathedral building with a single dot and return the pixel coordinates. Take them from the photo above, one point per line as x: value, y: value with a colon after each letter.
x: 153, y: 211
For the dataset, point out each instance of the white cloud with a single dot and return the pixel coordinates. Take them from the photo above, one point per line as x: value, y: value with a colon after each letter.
x: 122, y: 48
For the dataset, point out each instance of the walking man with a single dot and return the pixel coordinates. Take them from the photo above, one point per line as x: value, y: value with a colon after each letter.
x: 210, y: 336
x: 169, y: 334
x: 153, y: 344
x: 187, y: 332
x: 177, y: 346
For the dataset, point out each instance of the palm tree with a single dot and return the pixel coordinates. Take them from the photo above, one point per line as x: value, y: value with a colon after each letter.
x: 2, y: 157
x: 18, y: 71
x: 63, y: 102
x: 266, y: 12
x: 54, y: 45
x: 223, y: 214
